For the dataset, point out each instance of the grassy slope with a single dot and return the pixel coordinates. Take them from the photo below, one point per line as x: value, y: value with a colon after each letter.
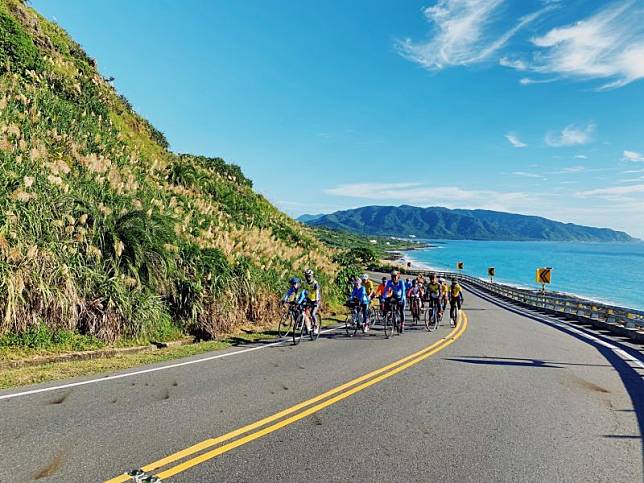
x: 103, y: 230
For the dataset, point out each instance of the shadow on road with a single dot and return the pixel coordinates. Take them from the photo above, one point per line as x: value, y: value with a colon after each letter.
x: 498, y: 362
x: 517, y: 361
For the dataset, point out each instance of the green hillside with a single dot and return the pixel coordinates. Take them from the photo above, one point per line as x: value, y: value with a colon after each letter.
x: 103, y: 230
x: 442, y: 223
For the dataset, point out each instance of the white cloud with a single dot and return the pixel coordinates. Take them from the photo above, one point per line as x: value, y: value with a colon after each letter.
x: 581, y: 156
x: 608, y: 45
x: 515, y: 141
x: 573, y: 169
x: 633, y: 156
x: 461, y: 33
x: 526, y: 81
x: 571, y: 136
x: 614, y: 191
x: 449, y: 196
x: 525, y: 174
x: 516, y: 64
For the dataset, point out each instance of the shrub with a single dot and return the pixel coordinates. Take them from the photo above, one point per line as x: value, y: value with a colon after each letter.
x: 17, y: 52
x: 140, y: 245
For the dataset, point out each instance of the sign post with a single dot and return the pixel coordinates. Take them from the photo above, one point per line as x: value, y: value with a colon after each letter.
x: 491, y: 272
x: 544, y: 276
x: 459, y: 267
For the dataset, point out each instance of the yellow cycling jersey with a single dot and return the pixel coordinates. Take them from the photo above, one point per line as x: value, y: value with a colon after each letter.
x: 455, y: 290
x: 312, y: 290
x: 368, y: 285
x: 434, y: 288
x: 445, y: 289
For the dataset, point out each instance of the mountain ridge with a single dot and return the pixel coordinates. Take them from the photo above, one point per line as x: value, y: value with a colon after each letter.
x: 457, y: 224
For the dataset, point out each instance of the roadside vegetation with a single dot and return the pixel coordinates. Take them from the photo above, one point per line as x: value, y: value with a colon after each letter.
x: 106, y: 236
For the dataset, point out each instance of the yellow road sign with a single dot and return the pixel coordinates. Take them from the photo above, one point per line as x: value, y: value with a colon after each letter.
x: 491, y: 271
x: 460, y: 265
x: 544, y: 275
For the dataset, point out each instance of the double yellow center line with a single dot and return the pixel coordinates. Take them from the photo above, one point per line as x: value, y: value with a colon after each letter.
x: 301, y: 410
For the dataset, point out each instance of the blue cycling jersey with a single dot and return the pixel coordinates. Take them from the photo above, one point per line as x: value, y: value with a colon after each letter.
x: 397, y: 289
x: 360, y: 293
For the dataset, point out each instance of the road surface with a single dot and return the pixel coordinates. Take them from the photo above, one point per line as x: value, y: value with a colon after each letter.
x: 501, y: 398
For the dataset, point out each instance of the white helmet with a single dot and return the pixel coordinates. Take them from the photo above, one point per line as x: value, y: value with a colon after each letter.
x: 364, y: 276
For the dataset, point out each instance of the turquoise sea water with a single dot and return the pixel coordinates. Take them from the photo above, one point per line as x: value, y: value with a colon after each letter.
x: 608, y: 272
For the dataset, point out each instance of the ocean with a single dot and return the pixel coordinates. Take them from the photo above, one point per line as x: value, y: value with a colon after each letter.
x: 607, y: 272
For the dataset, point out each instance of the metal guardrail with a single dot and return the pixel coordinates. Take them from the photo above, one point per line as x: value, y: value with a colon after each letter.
x: 554, y: 302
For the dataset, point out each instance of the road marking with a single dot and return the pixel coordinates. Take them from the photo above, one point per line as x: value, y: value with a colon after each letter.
x: 342, y: 392
x: 557, y: 323
x: 212, y: 441
x: 152, y: 369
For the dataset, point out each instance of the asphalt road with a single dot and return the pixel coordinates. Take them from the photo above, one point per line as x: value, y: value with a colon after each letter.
x: 502, y: 398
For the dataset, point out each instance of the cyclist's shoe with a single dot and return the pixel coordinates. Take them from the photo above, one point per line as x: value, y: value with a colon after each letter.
x: 366, y: 327
x: 316, y: 330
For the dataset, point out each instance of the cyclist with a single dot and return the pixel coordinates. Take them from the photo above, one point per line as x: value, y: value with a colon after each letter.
x: 292, y: 295
x: 395, y: 289
x: 360, y: 297
x: 434, y: 294
x: 455, y: 300
x: 311, y: 294
x: 415, y: 294
x: 368, y: 285
x: 381, y: 293
x: 444, y: 292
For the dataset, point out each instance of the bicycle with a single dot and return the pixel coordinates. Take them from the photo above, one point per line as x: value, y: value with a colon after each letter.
x: 415, y: 309
x: 300, y: 324
x: 432, y: 320
x: 392, y: 319
x: 354, y: 320
x: 454, y: 314
x: 288, y: 319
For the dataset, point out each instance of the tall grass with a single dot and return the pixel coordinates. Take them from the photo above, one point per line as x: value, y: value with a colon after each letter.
x: 106, y: 233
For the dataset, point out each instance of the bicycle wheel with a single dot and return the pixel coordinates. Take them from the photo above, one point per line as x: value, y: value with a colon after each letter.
x: 298, y: 328
x: 428, y: 319
x: 435, y: 319
x: 387, y: 325
x: 285, y: 325
x: 395, y: 320
x: 347, y: 325
x: 316, y: 327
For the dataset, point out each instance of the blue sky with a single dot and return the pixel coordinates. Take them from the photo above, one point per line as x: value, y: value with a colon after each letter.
x: 533, y: 107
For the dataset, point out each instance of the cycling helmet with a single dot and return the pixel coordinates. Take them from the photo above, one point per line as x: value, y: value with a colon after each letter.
x: 294, y: 281
x: 395, y: 273
x: 384, y: 279
x: 453, y: 281
x: 308, y: 274
x: 364, y: 276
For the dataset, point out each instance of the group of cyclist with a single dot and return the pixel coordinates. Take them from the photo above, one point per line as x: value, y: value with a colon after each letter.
x: 306, y: 294
x: 392, y: 294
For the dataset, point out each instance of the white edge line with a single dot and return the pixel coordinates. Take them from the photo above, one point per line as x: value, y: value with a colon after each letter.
x: 145, y: 371
x: 570, y: 327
